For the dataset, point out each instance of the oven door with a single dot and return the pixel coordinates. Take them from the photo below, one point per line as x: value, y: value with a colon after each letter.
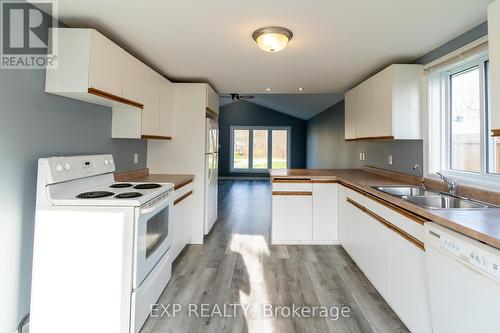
x: 153, y: 236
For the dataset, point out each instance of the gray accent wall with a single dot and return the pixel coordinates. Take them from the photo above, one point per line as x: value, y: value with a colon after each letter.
x: 243, y: 113
x: 33, y: 125
x: 326, y: 147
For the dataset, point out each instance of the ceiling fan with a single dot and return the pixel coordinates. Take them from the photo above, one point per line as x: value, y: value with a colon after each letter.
x: 236, y: 97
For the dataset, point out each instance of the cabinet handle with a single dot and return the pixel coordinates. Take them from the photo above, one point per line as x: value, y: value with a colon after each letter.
x: 182, y: 197
x: 291, y: 193
x: 292, y: 180
x: 103, y: 94
x: 388, y: 224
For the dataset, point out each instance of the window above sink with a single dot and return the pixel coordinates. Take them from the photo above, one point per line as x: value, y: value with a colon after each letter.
x: 458, y: 141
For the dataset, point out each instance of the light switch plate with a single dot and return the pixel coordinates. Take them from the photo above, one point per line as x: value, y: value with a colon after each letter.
x: 389, y: 159
x: 136, y: 158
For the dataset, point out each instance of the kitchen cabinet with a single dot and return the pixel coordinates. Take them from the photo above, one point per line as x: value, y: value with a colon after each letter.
x: 133, y: 79
x: 304, y: 211
x: 92, y: 68
x: 494, y: 55
x: 325, y: 211
x: 291, y: 217
x: 182, y: 219
x: 369, y: 247
x: 409, y: 291
x: 386, y: 106
x: 212, y: 101
x: 107, y: 64
x: 372, y: 235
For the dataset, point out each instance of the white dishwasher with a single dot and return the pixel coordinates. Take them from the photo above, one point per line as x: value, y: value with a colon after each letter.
x: 464, y: 282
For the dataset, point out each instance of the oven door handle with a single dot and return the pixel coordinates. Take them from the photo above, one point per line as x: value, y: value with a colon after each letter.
x: 158, y: 206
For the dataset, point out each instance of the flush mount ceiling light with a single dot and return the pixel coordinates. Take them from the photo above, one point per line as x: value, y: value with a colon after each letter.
x: 272, y: 39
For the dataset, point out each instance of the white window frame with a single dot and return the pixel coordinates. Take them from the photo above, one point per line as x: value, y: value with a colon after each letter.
x: 250, y: 168
x: 440, y: 158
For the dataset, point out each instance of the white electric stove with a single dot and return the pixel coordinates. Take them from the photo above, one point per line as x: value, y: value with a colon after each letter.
x: 101, y: 247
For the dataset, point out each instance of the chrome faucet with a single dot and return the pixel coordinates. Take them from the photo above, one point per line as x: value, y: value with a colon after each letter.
x: 417, y: 166
x: 451, y: 183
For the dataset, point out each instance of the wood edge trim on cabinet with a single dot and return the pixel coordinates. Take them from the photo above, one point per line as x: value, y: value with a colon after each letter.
x: 155, y: 137
x: 182, y: 197
x: 373, y: 138
x: 211, y: 113
x: 412, y: 216
x: 292, y: 193
x: 291, y: 180
x: 324, y: 181
x: 495, y: 132
x: 101, y: 93
x: 184, y: 183
x: 388, y: 224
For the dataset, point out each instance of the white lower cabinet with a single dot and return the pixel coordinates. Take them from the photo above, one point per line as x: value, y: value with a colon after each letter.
x: 291, y: 217
x: 305, y: 212
x: 393, y: 264
x: 409, y: 290
x: 325, y: 212
x: 182, y: 219
x: 369, y: 246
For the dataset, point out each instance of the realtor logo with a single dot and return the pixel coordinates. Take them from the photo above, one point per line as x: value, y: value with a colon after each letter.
x: 27, y: 40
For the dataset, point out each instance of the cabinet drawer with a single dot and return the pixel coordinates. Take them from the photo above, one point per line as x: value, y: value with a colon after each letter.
x: 298, y: 185
x: 410, y: 226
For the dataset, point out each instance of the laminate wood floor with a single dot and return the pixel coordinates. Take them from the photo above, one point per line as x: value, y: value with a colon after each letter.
x: 237, y: 265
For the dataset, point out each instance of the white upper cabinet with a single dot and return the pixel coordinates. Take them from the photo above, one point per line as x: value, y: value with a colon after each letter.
x: 133, y: 79
x: 151, y: 111
x: 386, y: 106
x: 93, y: 69
x: 494, y: 50
x: 212, y: 101
x: 107, y: 65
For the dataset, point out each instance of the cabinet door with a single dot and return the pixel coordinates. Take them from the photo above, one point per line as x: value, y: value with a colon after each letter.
x: 370, y: 246
x: 381, y: 112
x: 409, y: 292
x: 494, y: 53
x: 151, y: 111
x: 364, y: 110
x: 325, y: 212
x: 212, y: 100
x: 133, y: 79
x: 342, y: 216
x: 166, y: 112
x: 292, y: 218
x: 177, y: 231
x: 106, y: 65
x: 350, y: 114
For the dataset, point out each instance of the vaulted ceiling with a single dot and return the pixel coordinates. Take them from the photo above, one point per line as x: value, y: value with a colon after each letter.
x: 336, y: 43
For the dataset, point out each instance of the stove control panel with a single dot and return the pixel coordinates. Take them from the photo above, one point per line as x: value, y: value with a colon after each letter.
x: 64, y: 168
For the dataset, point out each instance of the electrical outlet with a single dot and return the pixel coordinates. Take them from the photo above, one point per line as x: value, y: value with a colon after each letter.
x: 136, y: 158
x: 361, y: 156
x: 389, y: 159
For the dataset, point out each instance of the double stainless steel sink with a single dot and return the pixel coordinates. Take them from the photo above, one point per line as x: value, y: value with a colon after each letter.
x: 433, y: 200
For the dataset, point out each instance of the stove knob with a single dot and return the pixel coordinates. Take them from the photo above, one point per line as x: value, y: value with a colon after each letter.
x: 67, y: 166
x: 106, y: 162
x: 110, y: 161
x: 59, y: 168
